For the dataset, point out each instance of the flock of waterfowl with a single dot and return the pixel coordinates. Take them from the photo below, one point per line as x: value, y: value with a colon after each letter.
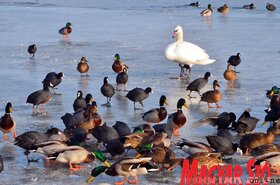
x: 225, y: 8
x: 150, y: 143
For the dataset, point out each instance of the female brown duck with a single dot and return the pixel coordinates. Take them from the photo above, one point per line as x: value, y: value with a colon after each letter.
x: 83, y: 66
x: 212, y: 96
x: 250, y: 141
x: 7, y: 123
x: 230, y: 75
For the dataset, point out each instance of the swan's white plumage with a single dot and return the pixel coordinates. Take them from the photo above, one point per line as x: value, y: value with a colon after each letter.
x: 185, y: 52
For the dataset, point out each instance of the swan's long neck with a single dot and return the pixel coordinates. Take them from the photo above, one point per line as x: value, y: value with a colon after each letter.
x: 180, y: 37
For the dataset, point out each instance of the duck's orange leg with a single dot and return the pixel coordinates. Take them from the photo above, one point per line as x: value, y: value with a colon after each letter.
x: 218, y: 106
x: 75, y: 167
x: 135, y: 181
x: 5, y: 137
x: 15, y: 134
x: 121, y: 182
x: 176, y: 132
x: 209, y: 106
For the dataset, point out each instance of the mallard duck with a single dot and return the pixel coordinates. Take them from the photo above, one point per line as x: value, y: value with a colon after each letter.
x: 253, y: 140
x: 161, y: 139
x: 28, y: 139
x: 83, y: 107
x: 54, y: 78
x: 225, y: 134
x: 195, y: 4
x: 272, y: 91
x: 32, y: 50
x: 108, y: 91
x: 65, y: 31
x: 263, y: 149
x: 230, y: 75
x: 273, y: 159
x: 137, y: 139
x: 222, y: 145
x: 223, y: 9
x: 207, y: 12
x: 7, y: 123
x: 234, y: 60
x: 48, y: 147
x: 118, y: 65
x: 138, y: 95
x: 270, y: 7
x: 1, y: 164
x: 249, y: 6
x: 156, y: 115
x: 83, y: 66
x: 198, y: 84
x: 122, y: 78
x: 160, y: 154
x: 125, y: 167
x: 185, y: 52
x: 76, y: 155
x: 191, y: 147
x: 245, y: 123
x: 114, y: 147
x: 91, y: 118
x: 203, y: 158
x: 40, y: 97
x: 273, y: 113
x: 122, y: 128
x: 222, y: 121
x: 178, y: 119
x: 212, y: 96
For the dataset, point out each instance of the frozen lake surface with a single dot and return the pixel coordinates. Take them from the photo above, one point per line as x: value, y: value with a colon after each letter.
x: 139, y: 31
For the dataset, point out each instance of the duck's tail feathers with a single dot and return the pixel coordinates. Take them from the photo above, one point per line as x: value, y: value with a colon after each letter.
x: 204, y: 121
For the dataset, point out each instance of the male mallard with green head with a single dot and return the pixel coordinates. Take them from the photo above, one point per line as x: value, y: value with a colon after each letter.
x: 178, y: 119
x: 76, y: 155
x: 125, y: 167
x: 156, y: 115
x: 65, y: 31
x: 7, y: 123
x: 118, y: 65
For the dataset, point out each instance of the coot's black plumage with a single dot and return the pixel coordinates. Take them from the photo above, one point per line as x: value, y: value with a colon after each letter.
x: 32, y: 50
x: 122, y: 128
x: 122, y: 78
x: 222, y: 145
x: 234, y: 60
x: 79, y: 102
x: 54, y: 78
x: 41, y: 96
x: 107, y: 90
x: 223, y: 120
x: 1, y: 164
x: 270, y: 7
x: 138, y: 95
x: 198, y: 84
x: 104, y: 133
x: 245, y: 123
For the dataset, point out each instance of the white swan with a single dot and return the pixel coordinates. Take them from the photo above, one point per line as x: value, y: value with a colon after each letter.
x: 186, y: 53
